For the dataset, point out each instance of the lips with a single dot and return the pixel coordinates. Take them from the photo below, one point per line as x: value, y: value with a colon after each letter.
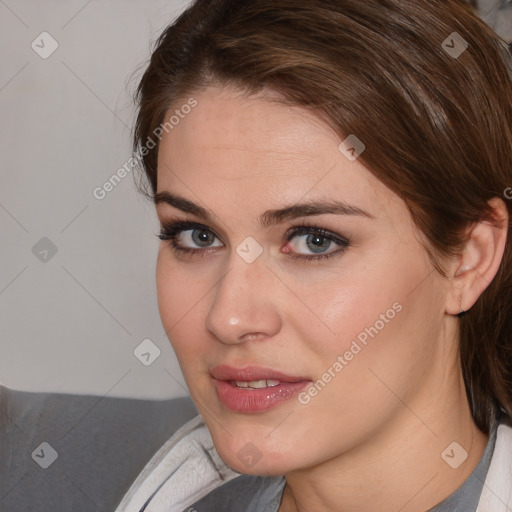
x: 254, y: 389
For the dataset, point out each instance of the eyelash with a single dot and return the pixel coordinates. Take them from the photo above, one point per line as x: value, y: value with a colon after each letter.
x: 170, y: 231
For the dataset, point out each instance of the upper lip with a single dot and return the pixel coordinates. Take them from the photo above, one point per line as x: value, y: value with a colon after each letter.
x: 251, y: 373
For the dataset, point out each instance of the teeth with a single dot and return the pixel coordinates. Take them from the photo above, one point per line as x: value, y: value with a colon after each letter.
x: 257, y: 384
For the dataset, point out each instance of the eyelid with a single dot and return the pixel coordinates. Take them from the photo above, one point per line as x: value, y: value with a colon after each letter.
x: 174, y: 226
x: 305, y: 229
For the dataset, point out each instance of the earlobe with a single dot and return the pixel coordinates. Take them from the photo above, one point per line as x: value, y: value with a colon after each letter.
x: 479, y: 260
x: 462, y: 311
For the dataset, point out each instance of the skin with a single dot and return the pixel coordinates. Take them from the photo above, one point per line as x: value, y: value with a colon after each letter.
x: 372, y: 439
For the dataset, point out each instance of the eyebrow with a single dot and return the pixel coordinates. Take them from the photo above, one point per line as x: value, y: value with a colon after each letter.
x: 270, y: 217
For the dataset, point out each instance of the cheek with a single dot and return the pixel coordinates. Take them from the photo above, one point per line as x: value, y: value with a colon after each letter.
x: 181, y: 297
x: 167, y: 286
x: 374, y: 316
x: 384, y: 340
x: 345, y: 308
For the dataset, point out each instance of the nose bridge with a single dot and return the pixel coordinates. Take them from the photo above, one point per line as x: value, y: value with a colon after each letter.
x: 243, y: 302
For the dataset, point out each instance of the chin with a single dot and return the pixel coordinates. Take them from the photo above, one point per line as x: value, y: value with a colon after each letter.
x: 254, y: 455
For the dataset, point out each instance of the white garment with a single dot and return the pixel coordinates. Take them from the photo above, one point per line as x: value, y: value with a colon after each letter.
x: 497, y: 492
x: 185, y: 468
x: 188, y: 467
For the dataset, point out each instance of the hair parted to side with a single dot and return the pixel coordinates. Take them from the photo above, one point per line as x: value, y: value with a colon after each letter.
x: 437, y: 129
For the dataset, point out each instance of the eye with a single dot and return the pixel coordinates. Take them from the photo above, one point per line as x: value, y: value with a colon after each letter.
x: 196, y: 238
x: 315, y: 243
x: 189, y: 237
x: 310, y: 242
x: 303, y: 242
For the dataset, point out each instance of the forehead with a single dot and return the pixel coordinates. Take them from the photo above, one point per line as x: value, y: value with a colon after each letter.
x: 232, y: 147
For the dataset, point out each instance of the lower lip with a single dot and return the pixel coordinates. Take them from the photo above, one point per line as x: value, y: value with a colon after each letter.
x: 249, y: 400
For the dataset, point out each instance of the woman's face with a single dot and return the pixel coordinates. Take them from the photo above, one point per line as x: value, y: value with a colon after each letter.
x: 303, y: 279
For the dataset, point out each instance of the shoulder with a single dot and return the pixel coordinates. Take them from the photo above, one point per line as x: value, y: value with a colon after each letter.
x: 182, y: 471
x: 497, y: 491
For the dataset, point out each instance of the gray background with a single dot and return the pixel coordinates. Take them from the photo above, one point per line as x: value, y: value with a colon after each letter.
x: 71, y: 323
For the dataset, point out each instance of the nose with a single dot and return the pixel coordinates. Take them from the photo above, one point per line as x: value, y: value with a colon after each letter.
x: 244, y: 305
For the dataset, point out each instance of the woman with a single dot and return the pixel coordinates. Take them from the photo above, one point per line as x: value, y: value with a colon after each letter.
x: 334, y: 274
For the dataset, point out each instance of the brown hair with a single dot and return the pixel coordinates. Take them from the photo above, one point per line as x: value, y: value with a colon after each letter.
x: 436, y: 126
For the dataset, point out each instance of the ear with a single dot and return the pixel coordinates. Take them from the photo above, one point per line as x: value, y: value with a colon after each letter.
x: 475, y: 268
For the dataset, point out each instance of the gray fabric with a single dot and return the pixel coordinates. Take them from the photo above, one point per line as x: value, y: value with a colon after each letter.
x: 466, y: 497
x: 248, y: 493
x: 102, y: 444
x: 263, y: 494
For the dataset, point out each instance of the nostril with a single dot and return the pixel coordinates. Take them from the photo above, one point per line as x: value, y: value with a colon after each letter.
x: 251, y: 336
